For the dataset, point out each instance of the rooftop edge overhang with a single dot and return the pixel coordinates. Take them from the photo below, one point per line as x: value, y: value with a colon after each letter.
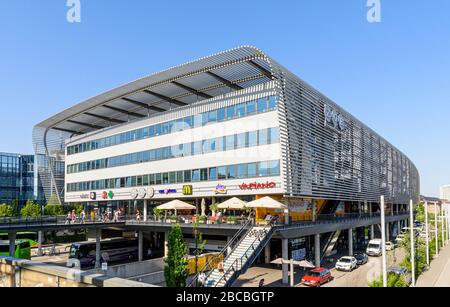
x: 195, y: 81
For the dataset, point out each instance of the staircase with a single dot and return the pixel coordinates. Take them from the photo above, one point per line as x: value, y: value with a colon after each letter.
x: 330, y: 244
x: 239, y: 254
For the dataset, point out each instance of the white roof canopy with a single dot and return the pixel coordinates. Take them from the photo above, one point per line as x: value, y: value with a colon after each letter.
x: 266, y: 203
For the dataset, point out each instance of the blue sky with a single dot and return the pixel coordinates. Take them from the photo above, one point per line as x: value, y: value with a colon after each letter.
x: 394, y: 76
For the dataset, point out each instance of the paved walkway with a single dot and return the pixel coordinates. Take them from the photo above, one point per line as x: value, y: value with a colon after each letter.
x: 439, y: 273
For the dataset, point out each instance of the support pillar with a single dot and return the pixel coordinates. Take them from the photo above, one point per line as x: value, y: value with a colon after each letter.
x: 267, y: 252
x: 350, y: 242
x: 98, y: 234
x: 372, y: 232
x: 141, y: 245
x: 12, y: 244
x: 166, y: 244
x: 285, y: 256
x: 388, y: 232
x: 40, y: 239
x: 314, y: 211
x: 145, y: 210
x: 317, y: 250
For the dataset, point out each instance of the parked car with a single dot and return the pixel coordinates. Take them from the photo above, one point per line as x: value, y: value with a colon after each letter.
x: 390, y: 246
x: 374, y: 248
x: 400, y: 238
x: 361, y: 258
x: 401, y: 272
x: 347, y: 264
x: 317, y: 277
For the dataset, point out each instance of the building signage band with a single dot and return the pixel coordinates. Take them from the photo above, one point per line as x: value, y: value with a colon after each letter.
x: 167, y: 191
x: 258, y: 186
x: 334, y: 119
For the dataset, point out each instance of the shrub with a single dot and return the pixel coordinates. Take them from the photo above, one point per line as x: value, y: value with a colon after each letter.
x: 6, y: 211
x: 176, y: 269
x: 31, y: 210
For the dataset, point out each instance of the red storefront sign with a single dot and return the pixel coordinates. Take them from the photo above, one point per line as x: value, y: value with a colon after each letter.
x: 258, y: 186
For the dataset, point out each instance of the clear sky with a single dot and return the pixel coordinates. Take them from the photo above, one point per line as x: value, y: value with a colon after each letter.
x: 393, y: 75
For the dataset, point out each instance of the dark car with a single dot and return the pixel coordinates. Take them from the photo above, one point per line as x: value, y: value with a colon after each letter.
x: 361, y: 258
x: 401, y: 272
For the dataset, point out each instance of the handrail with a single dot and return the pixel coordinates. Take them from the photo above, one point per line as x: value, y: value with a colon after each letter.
x: 271, y: 223
x: 223, y: 251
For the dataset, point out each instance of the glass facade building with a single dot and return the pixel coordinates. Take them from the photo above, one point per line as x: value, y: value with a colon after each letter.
x: 17, y: 182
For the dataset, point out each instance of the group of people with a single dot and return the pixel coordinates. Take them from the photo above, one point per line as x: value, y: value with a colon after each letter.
x: 72, y: 217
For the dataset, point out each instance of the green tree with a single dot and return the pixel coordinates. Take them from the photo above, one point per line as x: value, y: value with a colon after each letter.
x: 176, y: 269
x: 6, y: 211
x: 199, y: 242
x: 53, y: 210
x: 394, y: 281
x: 15, y: 207
x: 31, y: 210
x: 77, y: 207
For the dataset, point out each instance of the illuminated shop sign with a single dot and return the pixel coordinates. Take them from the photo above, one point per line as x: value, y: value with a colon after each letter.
x: 220, y: 189
x: 105, y: 195
x: 167, y: 191
x: 93, y: 196
x: 110, y: 195
x: 334, y: 119
x: 258, y: 186
x: 188, y: 190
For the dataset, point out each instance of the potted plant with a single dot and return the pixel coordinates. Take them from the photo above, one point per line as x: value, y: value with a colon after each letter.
x: 174, y: 219
x: 202, y: 219
x: 158, y: 214
x: 232, y: 220
x: 214, y: 208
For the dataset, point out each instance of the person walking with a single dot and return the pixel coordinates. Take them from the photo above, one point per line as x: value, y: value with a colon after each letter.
x: 82, y: 217
x: 68, y: 218
x: 74, y: 217
x: 138, y: 216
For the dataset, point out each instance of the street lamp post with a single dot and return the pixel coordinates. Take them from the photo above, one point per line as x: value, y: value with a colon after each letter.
x: 413, y: 257
x: 427, y: 236
x: 436, y: 232
x: 383, y: 242
x: 442, y: 225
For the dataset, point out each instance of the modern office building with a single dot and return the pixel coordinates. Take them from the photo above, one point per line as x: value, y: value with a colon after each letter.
x: 17, y: 179
x: 445, y: 193
x: 233, y: 124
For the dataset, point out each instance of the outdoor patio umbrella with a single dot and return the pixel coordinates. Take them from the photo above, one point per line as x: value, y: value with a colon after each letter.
x: 203, y: 206
x: 233, y: 204
x: 266, y: 203
x: 176, y: 205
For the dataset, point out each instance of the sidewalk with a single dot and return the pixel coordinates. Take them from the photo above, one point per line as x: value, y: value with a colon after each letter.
x: 439, y: 273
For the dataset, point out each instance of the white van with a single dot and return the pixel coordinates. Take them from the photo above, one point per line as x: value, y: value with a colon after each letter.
x: 374, y: 248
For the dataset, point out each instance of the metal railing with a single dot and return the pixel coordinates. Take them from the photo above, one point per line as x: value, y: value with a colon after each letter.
x: 235, y: 241
x: 245, y: 260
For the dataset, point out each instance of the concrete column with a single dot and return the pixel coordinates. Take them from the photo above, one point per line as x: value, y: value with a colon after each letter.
x: 317, y: 250
x: 372, y: 232
x: 267, y: 252
x: 314, y: 211
x: 370, y: 209
x: 166, y: 244
x: 145, y: 210
x: 98, y: 234
x: 40, y: 239
x: 388, y: 232
x: 12, y: 244
x: 350, y: 242
x: 285, y: 256
x: 141, y: 246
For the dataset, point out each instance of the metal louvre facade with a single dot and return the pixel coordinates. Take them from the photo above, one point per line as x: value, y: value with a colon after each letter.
x: 319, y: 161
x: 354, y: 164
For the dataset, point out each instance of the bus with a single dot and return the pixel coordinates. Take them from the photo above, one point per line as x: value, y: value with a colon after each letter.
x: 22, y: 249
x: 32, y: 237
x: 111, y: 250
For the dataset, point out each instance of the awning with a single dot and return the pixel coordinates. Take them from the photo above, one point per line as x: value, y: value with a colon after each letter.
x: 233, y: 204
x: 266, y: 203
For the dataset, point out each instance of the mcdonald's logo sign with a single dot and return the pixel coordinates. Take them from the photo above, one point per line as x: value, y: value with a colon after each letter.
x: 188, y: 190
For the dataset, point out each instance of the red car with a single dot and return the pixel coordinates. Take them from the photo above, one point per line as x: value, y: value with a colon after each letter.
x: 317, y: 277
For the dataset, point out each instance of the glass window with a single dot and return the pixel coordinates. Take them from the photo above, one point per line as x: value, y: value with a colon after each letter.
x: 262, y: 137
x: 145, y: 181
x: 152, y: 155
x: 262, y: 105
x: 158, y: 179
x: 198, y: 146
x: 196, y: 175
x: 180, y: 178
x: 187, y: 150
x: 212, y: 117
x: 231, y: 112
x: 240, y: 110
x: 187, y: 176
x: 221, y: 115
x: 274, y: 135
x: 139, y: 181
x: 229, y: 142
x: 274, y: 168
x: 251, y: 107
x: 133, y: 135
x: 145, y: 133
x: 165, y: 178
x: 272, y: 103
x: 128, y: 183
x: 241, y: 140
x: 263, y: 170
x: 205, y: 118
x: 117, y: 184
x: 213, y: 173
x: 146, y: 156
x: 133, y: 181
x: 253, y: 138
x: 158, y: 154
x: 128, y: 137
x: 187, y: 123
x: 222, y: 173
x: 152, y: 131
x: 197, y: 120
x: 158, y: 130
x: 231, y: 172
x: 152, y: 179
x: 242, y: 171
x: 251, y: 170
x: 173, y: 177
x: 204, y: 174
